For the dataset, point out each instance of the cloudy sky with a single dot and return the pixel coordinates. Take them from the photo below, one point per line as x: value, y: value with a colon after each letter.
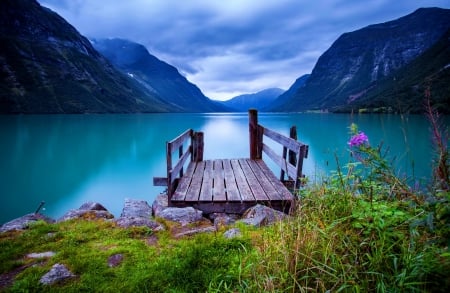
x: 232, y: 47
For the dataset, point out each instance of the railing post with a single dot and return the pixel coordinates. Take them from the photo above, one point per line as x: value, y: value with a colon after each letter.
x: 253, y: 132
x: 197, y: 146
x: 292, y: 159
x: 169, y: 168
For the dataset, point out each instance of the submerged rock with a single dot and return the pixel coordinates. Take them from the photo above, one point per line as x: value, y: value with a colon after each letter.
x: 58, y: 273
x: 23, y: 222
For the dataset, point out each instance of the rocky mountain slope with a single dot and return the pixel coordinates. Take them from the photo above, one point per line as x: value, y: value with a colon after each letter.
x: 46, y: 66
x: 361, y: 61
x: 157, y: 76
x: 259, y: 100
x: 287, y: 95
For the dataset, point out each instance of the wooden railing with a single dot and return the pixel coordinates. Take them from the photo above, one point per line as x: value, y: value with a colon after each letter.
x: 194, y: 152
x: 291, y: 160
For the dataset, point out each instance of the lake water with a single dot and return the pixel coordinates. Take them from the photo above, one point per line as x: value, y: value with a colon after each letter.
x: 66, y: 160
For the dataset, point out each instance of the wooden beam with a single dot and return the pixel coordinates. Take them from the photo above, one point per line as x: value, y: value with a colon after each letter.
x: 253, y: 133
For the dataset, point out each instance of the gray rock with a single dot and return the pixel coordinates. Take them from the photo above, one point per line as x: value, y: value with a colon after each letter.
x: 137, y: 213
x: 24, y: 222
x: 86, y: 214
x: 58, y: 273
x: 222, y: 220
x: 136, y: 209
x: 115, y: 260
x: 260, y: 215
x: 159, y: 204
x: 184, y: 216
x: 46, y: 254
x: 92, y: 206
x: 194, y: 231
x: 126, y: 222
x: 232, y: 233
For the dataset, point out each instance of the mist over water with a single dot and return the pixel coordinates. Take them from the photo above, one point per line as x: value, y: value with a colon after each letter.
x: 66, y: 160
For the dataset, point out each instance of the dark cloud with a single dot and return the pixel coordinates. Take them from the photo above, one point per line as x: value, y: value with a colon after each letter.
x: 235, y: 46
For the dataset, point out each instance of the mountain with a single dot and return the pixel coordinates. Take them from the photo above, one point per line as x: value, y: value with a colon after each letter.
x: 287, y: 95
x: 157, y: 76
x: 360, y: 62
x: 259, y: 100
x: 46, y: 66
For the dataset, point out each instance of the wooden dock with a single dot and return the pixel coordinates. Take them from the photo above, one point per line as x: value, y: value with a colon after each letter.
x: 233, y: 185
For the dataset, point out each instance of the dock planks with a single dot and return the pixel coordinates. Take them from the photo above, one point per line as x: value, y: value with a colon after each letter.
x: 231, y: 186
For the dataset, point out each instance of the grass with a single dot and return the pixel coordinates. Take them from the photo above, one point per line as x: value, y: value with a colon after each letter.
x: 362, y: 229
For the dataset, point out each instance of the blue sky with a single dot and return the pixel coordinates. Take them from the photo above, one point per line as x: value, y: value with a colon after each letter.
x: 233, y: 47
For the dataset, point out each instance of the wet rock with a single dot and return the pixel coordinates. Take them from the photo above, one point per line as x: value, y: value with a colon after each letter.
x: 184, y: 216
x: 159, y: 204
x: 232, y: 233
x: 115, y: 260
x: 261, y: 215
x: 57, y: 274
x: 23, y: 222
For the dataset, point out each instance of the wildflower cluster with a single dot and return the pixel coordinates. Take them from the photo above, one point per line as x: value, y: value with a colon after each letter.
x: 358, y: 140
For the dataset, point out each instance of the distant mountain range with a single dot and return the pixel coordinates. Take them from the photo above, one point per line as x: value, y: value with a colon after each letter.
x: 381, y: 67
x: 155, y: 75
x: 46, y: 66
x: 259, y: 100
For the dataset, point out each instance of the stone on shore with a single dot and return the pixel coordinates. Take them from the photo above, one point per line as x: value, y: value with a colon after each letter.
x: 261, y: 215
x: 159, y: 204
x: 88, y: 210
x: 57, y: 274
x: 184, y: 216
x: 137, y: 213
x: 24, y: 222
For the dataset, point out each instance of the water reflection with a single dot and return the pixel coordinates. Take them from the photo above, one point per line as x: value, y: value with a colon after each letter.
x: 66, y: 160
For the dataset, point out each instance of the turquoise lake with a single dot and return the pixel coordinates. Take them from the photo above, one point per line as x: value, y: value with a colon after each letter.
x: 66, y: 160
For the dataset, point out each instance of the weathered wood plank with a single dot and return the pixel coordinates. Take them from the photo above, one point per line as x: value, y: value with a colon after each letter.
x: 193, y: 192
x: 219, y: 193
x: 282, y: 163
x: 271, y: 192
x: 241, y: 182
x: 207, y: 184
x: 285, y: 141
x: 230, y: 182
x: 179, y: 165
x: 159, y: 181
x: 179, y: 140
x: 185, y: 181
x: 282, y: 190
x: 253, y: 182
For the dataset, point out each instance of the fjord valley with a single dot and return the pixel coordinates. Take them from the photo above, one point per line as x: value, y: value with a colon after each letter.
x: 371, y: 213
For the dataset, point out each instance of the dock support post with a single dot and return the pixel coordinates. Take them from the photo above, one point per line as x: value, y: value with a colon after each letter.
x: 254, y: 136
x: 197, y: 147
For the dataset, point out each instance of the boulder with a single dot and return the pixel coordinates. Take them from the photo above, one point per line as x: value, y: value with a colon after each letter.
x: 159, y: 204
x: 126, y: 222
x: 24, y: 222
x: 184, y: 216
x: 190, y: 232
x: 46, y: 254
x: 223, y: 220
x: 137, y: 213
x: 57, y: 274
x: 261, y: 215
x: 89, y: 210
x: 134, y: 208
x: 232, y: 233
